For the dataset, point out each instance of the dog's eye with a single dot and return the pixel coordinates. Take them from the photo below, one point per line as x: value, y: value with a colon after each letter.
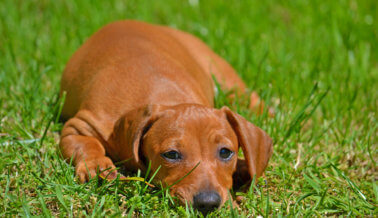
x: 225, y: 153
x: 172, y: 155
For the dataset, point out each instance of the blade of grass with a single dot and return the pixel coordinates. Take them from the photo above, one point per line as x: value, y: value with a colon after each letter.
x: 350, y: 183
x: 152, y: 177
x: 59, y: 195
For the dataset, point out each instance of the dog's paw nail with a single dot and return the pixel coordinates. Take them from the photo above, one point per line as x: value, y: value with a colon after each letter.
x: 112, y: 175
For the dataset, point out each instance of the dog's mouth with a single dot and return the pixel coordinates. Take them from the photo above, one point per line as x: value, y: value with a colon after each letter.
x: 180, y: 198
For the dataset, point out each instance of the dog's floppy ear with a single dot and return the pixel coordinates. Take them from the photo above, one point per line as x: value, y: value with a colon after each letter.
x: 256, y: 145
x: 129, y: 131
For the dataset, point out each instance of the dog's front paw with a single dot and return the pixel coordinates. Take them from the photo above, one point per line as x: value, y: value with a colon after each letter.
x: 88, y: 168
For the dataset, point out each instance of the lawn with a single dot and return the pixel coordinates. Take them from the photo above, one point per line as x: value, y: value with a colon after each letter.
x: 315, y: 62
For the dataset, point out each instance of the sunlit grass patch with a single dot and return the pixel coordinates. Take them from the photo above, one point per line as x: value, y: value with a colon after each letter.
x: 314, y: 62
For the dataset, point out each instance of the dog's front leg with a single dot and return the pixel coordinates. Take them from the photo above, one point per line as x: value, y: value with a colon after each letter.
x: 87, y: 153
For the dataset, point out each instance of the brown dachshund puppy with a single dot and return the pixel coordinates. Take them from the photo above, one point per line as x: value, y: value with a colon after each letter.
x: 144, y: 92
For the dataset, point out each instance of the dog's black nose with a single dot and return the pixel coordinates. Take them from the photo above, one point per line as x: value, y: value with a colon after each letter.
x: 206, y: 201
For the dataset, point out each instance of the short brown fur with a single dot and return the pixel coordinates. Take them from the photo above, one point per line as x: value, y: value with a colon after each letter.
x: 136, y: 90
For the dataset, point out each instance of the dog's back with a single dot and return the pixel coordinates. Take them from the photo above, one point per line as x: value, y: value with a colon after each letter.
x: 136, y: 64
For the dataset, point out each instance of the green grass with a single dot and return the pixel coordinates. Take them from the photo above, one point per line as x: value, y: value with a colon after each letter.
x: 314, y: 61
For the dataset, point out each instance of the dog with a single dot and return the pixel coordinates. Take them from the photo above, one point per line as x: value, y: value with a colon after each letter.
x: 145, y: 93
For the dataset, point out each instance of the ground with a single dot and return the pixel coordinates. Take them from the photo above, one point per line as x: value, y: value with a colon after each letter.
x: 314, y: 62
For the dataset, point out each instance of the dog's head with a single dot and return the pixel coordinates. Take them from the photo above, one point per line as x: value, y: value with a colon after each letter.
x: 197, y: 145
